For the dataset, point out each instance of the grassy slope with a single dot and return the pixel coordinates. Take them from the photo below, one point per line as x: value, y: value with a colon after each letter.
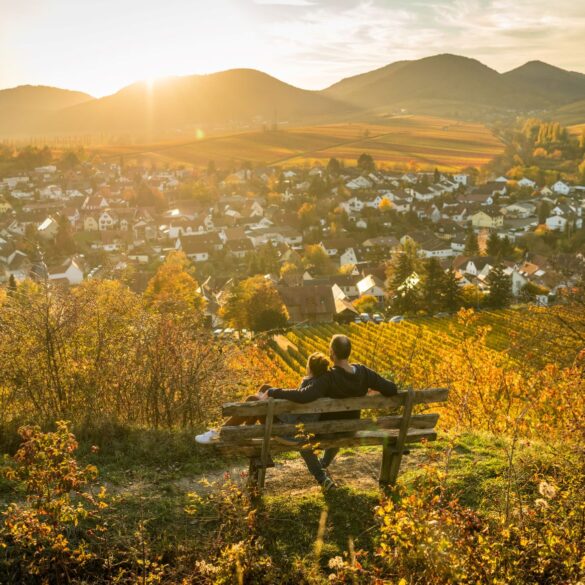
x: 149, y: 476
x: 430, y: 142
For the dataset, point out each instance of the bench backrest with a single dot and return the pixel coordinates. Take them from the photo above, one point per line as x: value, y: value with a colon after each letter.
x: 241, y: 435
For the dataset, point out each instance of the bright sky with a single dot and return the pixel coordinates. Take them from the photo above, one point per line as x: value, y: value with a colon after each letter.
x: 99, y: 46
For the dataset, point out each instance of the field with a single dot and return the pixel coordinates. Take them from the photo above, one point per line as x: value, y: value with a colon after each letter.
x: 423, y: 141
x: 398, y: 348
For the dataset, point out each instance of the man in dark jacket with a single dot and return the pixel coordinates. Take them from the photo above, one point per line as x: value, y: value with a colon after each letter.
x: 343, y: 380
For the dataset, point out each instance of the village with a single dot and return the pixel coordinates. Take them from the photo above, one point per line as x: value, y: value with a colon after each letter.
x: 323, y: 235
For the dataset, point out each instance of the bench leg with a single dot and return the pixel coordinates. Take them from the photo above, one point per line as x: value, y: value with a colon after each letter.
x: 385, y: 469
x: 253, y: 474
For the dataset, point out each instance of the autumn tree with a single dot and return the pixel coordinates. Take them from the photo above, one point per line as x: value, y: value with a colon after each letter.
x: 308, y: 215
x: 255, y: 304
x: 366, y: 304
x: 317, y: 261
x: 173, y: 289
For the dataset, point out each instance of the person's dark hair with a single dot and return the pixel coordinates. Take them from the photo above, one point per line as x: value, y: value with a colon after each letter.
x: 318, y: 363
x: 341, y: 346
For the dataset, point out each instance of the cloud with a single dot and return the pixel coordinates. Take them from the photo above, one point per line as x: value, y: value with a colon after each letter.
x: 341, y: 37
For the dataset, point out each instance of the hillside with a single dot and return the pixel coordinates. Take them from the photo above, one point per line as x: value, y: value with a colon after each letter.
x: 230, y: 99
x: 551, y: 82
x: 427, y: 83
x: 571, y: 114
x: 23, y: 108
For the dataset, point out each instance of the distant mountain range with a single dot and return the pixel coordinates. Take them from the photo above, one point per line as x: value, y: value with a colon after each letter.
x: 442, y: 85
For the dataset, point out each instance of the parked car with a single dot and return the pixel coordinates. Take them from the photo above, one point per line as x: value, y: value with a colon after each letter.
x: 365, y: 318
x: 396, y: 319
x: 377, y: 318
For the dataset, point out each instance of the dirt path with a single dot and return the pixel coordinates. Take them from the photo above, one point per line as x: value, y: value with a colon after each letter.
x: 358, y: 468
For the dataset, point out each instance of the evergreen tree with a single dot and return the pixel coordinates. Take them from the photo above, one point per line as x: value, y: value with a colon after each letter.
x: 64, y: 242
x: 437, y: 176
x: 333, y: 167
x: 366, y: 163
x: 500, y: 294
x: 404, y: 282
x: 471, y: 243
x: 506, y: 247
x: 494, y: 245
x: 451, y: 296
x: 543, y: 212
x: 12, y: 286
x: 432, y: 285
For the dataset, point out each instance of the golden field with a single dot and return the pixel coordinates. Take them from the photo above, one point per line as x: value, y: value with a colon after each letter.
x: 422, y: 141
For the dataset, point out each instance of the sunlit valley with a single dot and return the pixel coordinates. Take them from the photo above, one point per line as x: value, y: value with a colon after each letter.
x: 254, y: 333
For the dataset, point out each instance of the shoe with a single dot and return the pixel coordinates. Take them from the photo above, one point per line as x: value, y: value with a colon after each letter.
x: 208, y: 438
x: 327, y: 485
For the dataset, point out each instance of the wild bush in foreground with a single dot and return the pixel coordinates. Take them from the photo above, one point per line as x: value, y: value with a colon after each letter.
x: 51, y: 534
x: 428, y: 536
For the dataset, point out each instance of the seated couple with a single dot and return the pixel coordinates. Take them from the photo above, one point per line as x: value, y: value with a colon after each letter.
x: 342, y: 380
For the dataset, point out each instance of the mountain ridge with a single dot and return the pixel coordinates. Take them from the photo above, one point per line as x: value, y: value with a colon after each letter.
x: 235, y: 98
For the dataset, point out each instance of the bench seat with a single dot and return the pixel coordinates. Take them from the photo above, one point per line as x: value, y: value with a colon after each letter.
x: 392, y: 432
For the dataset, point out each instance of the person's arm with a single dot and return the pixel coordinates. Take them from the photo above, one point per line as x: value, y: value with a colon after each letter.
x: 307, y: 392
x: 379, y: 383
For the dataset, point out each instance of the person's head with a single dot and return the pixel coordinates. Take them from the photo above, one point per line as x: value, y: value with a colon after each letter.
x: 317, y: 364
x: 339, y: 348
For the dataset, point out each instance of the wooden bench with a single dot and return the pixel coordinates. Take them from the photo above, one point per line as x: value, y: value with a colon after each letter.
x: 393, y: 433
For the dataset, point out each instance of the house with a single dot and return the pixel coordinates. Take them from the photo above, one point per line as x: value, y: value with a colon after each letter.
x: 371, y: 285
x: 487, y: 218
x: 48, y: 229
x: 94, y: 203
x: 345, y: 312
x: 312, y: 304
x: 462, y: 179
x: 240, y: 248
x: 429, y: 245
x: 5, y: 207
x: 348, y: 257
x: 359, y: 183
x: 479, y: 266
x: 561, y: 188
x: 142, y: 254
x: 520, y: 210
x: 69, y: 270
x: 526, y: 183
x: 199, y: 248
x: 517, y: 278
x: 556, y: 222
x: 107, y: 220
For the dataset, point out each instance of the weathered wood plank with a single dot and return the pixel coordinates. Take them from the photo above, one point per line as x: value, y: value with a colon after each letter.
x: 244, y: 433
x: 360, y: 438
x: 375, y: 401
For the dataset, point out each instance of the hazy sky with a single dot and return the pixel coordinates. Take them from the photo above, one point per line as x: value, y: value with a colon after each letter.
x: 99, y: 46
